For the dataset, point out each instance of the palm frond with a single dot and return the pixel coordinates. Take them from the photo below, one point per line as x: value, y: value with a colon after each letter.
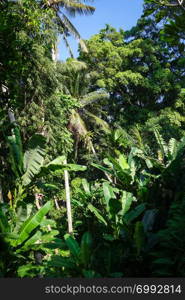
x: 74, y: 65
x: 67, y: 25
x: 67, y: 45
x: 78, y: 127
x: 94, y: 97
x: 100, y: 122
x: 73, y: 7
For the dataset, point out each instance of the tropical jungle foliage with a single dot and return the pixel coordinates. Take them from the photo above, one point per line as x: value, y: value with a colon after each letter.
x: 92, y: 150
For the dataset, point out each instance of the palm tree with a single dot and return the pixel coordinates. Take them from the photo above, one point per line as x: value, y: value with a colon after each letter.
x: 77, y: 80
x: 71, y: 8
x: 76, y: 83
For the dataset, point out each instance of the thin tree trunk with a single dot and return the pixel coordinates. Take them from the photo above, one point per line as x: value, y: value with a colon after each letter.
x: 1, y: 193
x: 68, y: 200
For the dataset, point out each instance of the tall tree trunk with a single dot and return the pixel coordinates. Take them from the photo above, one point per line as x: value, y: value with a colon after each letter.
x: 68, y: 199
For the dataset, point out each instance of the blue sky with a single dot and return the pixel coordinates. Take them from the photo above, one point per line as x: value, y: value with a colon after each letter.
x: 118, y: 13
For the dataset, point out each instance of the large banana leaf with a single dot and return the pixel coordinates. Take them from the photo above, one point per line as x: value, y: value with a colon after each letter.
x: 38, y: 240
x: 32, y: 223
x: 30, y: 242
x: 33, y: 161
x: 33, y: 158
x: 59, y: 170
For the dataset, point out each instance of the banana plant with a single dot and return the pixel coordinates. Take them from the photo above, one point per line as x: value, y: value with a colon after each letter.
x: 29, y: 165
x: 28, y: 235
x: 105, y: 206
x: 78, y: 260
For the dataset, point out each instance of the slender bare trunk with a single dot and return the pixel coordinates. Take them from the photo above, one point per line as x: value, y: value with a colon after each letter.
x: 1, y: 193
x: 68, y: 200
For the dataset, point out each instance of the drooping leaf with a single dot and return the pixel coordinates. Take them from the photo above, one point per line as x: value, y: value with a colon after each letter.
x: 96, y: 213
x: 102, y: 168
